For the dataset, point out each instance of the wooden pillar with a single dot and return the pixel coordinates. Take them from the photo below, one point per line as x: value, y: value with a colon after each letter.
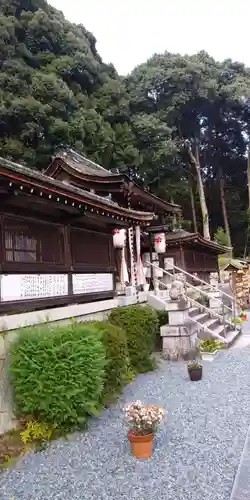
x: 182, y: 256
x: 151, y: 281
x: 68, y: 258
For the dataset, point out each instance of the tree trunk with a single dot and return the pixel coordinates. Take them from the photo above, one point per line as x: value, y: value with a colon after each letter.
x: 174, y: 216
x: 194, y: 218
x: 195, y: 160
x: 224, y: 208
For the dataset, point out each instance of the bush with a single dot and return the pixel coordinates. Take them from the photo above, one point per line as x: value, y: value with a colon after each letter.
x: 140, y: 324
x: 210, y: 345
x: 162, y: 318
x: 57, y: 374
x: 118, y: 366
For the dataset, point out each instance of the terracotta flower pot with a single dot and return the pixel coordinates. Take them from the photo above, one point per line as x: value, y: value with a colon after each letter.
x: 195, y: 374
x: 141, y: 445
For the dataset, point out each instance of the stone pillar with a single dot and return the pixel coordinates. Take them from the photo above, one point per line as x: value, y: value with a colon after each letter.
x: 180, y: 336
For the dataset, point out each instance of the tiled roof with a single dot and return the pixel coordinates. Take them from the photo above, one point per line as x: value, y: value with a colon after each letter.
x: 34, y: 175
x: 81, y: 163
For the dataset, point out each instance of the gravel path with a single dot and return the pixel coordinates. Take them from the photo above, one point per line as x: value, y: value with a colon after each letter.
x: 196, y: 452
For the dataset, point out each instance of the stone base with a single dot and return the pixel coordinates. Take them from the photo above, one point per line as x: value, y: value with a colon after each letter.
x: 179, y: 343
x: 7, y: 422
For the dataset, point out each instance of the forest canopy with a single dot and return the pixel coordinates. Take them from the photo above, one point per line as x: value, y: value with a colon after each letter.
x: 176, y: 122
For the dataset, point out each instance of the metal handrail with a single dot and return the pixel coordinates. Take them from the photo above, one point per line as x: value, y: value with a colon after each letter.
x: 202, y: 281
x: 192, y: 286
x: 201, y: 306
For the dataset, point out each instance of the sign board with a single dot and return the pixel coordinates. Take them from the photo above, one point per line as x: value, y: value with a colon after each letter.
x: 32, y: 286
x: 92, y: 283
x: 168, y: 263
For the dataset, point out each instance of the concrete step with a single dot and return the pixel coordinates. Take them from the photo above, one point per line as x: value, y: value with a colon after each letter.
x: 220, y: 330
x: 201, y: 317
x: 193, y: 311
x: 211, y: 323
x: 232, y: 336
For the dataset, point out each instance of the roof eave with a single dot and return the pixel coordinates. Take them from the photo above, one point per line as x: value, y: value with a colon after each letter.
x: 24, y: 175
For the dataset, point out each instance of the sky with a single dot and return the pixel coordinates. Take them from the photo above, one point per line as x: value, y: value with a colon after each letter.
x: 129, y: 32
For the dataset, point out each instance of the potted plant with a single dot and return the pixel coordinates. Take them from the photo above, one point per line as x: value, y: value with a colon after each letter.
x: 243, y: 316
x: 195, y: 371
x: 143, y: 420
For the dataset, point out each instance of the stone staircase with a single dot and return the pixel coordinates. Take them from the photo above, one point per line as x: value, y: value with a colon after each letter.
x: 211, y: 326
x: 212, y: 322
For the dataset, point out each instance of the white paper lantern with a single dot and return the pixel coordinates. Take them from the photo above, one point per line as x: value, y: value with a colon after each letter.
x: 119, y: 238
x: 160, y: 242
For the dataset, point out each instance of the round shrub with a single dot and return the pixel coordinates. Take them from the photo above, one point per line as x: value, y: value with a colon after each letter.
x: 140, y: 324
x: 57, y: 374
x: 117, y: 369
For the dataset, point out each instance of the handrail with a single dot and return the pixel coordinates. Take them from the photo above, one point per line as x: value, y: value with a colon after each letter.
x: 202, y: 281
x: 215, y: 314
x: 191, y: 286
x: 198, y: 304
x: 220, y: 317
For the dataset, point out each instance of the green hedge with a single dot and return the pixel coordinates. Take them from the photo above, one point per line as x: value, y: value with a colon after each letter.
x: 140, y: 324
x: 162, y: 318
x: 58, y: 374
x: 118, y: 366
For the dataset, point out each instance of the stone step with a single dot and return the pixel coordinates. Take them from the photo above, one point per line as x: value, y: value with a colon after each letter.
x: 201, y: 317
x: 211, y: 323
x: 193, y: 311
x: 232, y: 336
x: 220, y: 330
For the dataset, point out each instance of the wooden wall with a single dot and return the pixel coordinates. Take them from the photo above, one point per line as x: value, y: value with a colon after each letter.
x: 45, y: 264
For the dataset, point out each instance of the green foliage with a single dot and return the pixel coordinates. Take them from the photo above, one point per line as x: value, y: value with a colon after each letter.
x: 210, y: 345
x: 57, y: 374
x: 36, y: 434
x: 140, y: 324
x: 179, y: 102
x: 237, y: 321
x: 194, y: 365
x: 162, y: 318
x: 117, y: 370
x: 56, y: 90
x: 221, y: 237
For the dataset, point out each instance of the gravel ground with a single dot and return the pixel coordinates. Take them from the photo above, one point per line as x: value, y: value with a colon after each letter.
x: 196, y: 452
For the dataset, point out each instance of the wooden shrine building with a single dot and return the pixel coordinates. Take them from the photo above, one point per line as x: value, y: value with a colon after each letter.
x: 189, y: 251
x: 56, y: 241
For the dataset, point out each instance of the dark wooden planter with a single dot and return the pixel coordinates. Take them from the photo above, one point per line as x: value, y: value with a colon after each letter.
x: 195, y: 374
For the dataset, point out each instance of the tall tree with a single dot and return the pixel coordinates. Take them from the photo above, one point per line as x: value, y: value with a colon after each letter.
x: 202, y: 102
x: 56, y: 90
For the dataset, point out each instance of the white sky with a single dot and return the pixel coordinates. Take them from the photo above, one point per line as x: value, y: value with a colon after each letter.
x: 128, y: 32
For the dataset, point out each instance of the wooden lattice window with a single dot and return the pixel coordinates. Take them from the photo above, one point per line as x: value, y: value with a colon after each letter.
x: 32, y: 242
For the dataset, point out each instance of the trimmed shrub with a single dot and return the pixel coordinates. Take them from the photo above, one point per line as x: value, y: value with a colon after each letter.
x: 58, y: 374
x: 117, y: 369
x: 140, y: 324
